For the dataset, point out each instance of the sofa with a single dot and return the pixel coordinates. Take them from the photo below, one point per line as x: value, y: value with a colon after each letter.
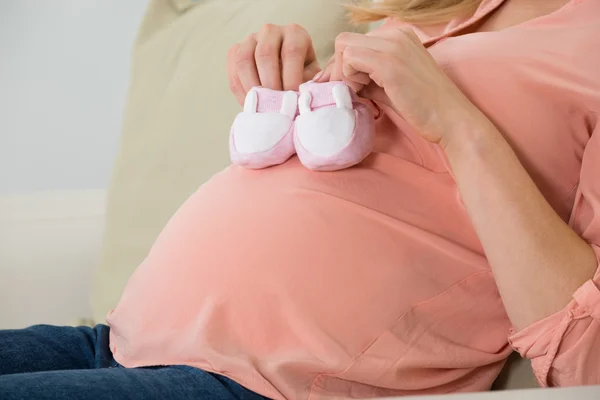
x: 177, y: 119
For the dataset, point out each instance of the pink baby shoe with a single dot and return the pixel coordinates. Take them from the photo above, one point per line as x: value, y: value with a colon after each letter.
x: 262, y: 135
x: 334, y: 130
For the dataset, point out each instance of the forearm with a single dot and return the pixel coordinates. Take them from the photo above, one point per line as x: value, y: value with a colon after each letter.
x: 537, y: 259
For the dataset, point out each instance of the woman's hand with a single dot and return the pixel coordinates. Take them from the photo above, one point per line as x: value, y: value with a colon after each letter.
x: 413, y: 83
x: 276, y: 57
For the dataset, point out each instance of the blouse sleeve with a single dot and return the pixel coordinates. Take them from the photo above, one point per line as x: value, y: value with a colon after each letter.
x: 565, y: 347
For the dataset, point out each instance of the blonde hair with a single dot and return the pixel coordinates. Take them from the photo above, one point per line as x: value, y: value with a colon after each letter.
x: 419, y: 12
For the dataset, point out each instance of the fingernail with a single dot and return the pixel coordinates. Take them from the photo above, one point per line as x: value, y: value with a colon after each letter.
x: 317, y: 76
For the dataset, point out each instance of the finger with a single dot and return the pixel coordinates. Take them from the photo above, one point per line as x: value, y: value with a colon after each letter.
x: 325, y: 75
x: 234, y: 83
x: 361, y: 60
x: 336, y: 69
x: 359, y: 78
x: 296, y: 52
x: 336, y: 74
x: 268, y: 64
x: 357, y: 81
x: 347, y: 39
x: 336, y: 61
x: 387, y: 44
x: 246, y: 64
x: 375, y: 93
x: 382, y: 44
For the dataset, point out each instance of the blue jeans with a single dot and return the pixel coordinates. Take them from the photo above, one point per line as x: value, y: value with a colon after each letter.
x: 49, y: 362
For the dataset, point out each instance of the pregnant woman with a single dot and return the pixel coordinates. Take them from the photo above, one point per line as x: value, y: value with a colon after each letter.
x: 471, y: 230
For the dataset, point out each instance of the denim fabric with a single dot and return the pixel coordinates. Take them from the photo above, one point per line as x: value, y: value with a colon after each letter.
x: 50, y: 362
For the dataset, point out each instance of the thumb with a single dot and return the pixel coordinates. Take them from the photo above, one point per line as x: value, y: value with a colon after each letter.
x: 376, y: 94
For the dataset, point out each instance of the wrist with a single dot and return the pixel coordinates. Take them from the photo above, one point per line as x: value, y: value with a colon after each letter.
x: 468, y: 137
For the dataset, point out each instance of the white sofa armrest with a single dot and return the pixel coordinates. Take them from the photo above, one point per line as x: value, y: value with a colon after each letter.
x: 49, y: 246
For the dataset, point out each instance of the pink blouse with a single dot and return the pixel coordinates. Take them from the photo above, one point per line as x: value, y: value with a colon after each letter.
x: 371, y: 281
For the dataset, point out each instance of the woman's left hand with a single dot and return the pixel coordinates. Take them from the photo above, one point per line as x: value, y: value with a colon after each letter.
x: 413, y: 83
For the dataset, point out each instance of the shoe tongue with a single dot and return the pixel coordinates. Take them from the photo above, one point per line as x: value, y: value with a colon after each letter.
x: 322, y: 93
x: 269, y: 100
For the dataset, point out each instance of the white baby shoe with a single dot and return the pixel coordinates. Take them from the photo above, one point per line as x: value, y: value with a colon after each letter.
x: 333, y: 131
x: 262, y: 135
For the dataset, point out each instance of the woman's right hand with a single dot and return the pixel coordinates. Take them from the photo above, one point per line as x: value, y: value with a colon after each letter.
x: 276, y: 57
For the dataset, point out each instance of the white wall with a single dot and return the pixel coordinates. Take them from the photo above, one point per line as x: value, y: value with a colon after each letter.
x: 64, y: 67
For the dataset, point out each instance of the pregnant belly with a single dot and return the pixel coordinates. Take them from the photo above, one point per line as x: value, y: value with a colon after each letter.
x: 258, y: 261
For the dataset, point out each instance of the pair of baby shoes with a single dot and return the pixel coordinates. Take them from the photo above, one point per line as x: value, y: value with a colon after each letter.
x: 324, y: 124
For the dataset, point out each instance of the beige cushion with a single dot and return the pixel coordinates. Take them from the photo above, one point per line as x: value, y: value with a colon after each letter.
x: 178, y: 115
